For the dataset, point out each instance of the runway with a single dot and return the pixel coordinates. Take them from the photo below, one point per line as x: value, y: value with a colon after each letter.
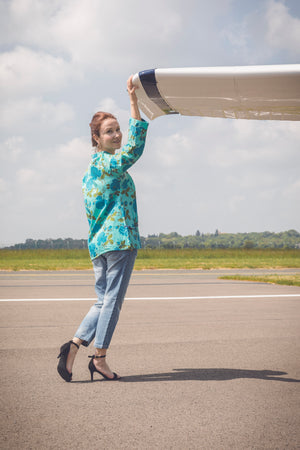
x: 160, y: 284
x: 205, y: 364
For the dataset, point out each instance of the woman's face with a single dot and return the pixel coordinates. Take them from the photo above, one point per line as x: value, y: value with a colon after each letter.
x: 110, y: 138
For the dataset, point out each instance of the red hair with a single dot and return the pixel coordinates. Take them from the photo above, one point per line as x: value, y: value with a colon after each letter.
x: 96, y: 122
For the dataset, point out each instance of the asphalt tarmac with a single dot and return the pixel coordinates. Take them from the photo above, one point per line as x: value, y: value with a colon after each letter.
x: 205, y: 364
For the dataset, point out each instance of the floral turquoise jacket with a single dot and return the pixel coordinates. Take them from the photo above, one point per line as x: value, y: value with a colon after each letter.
x: 109, y: 195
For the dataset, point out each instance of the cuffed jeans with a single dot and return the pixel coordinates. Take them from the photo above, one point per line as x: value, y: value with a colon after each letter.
x: 112, y: 273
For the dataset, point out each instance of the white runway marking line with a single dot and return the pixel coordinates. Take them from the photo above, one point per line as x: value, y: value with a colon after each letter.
x: 151, y: 298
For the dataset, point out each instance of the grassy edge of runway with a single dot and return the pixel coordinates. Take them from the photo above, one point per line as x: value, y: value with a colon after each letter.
x: 287, y: 280
x: 204, y: 259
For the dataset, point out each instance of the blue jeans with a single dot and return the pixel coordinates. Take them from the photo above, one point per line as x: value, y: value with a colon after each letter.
x: 112, y: 274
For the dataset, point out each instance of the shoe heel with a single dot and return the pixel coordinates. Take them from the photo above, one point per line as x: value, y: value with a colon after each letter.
x: 91, y: 369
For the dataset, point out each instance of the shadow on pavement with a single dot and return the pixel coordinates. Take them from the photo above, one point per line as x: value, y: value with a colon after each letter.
x: 203, y: 375
x: 209, y: 375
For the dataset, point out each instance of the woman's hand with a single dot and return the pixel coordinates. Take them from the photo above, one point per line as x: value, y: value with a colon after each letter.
x: 130, y: 87
x: 134, y: 109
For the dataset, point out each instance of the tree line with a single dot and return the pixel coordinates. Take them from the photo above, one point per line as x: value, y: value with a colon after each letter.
x: 266, y: 239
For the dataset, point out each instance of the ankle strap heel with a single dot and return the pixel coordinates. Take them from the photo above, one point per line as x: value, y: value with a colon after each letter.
x: 93, y: 369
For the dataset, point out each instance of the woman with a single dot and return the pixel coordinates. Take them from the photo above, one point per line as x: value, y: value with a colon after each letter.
x: 110, y: 203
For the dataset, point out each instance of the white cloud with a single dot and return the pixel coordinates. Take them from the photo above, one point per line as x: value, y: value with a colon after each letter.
x: 6, y: 200
x: 75, y: 150
x: 98, y: 35
x: 26, y: 72
x: 283, y: 30
x: 33, y: 114
x: 62, y: 167
x: 171, y: 151
x: 235, y: 203
x: 28, y: 177
x: 292, y: 192
x: 103, y: 23
x: 267, y: 30
x: 255, y: 144
x: 3, y: 187
x: 11, y: 148
x: 47, y: 192
x: 27, y: 21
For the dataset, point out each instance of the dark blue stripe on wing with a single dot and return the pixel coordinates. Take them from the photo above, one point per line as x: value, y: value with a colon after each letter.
x: 149, y: 84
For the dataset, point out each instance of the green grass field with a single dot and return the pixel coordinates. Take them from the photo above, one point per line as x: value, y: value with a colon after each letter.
x: 217, y: 258
x: 154, y: 259
x: 15, y: 260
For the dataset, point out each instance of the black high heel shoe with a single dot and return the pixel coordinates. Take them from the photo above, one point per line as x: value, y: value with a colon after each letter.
x: 93, y: 369
x: 62, y: 365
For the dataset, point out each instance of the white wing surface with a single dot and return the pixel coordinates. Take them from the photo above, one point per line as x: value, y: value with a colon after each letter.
x: 241, y: 92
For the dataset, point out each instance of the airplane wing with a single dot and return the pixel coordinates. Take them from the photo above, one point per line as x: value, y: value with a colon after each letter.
x: 242, y: 92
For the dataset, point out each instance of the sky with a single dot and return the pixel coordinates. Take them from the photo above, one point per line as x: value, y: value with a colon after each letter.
x: 63, y: 60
